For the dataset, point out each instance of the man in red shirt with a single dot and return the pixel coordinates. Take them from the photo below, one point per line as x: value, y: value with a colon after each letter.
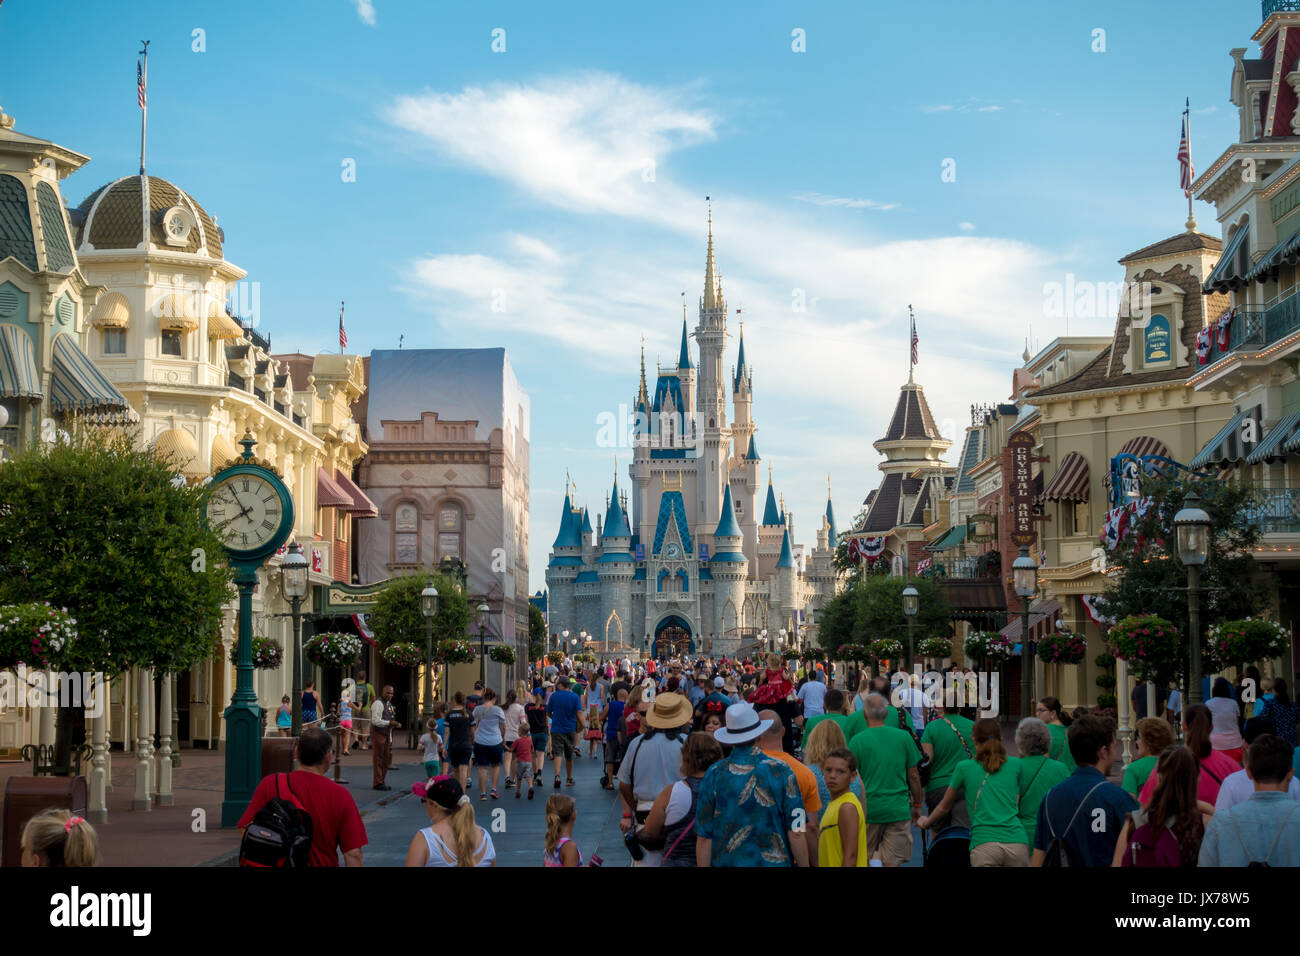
x: 336, y: 823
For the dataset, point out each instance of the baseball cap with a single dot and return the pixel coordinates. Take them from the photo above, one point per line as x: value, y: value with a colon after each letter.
x: 718, y: 682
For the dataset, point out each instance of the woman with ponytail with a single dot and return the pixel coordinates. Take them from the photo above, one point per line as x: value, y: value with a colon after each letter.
x: 561, y: 815
x: 1051, y: 713
x: 991, y: 783
x: 453, y: 838
x: 57, y: 838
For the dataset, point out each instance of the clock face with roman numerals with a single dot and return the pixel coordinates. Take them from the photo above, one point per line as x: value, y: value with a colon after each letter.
x: 246, y: 511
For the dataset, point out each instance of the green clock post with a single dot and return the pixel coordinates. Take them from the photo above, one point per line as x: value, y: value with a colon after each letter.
x: 252, y: 511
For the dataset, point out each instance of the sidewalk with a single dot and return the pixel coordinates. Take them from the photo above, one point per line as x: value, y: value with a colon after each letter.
x: 174, y: 836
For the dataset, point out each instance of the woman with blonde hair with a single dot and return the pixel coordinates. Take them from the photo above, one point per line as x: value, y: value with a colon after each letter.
x: 452, y: 838
x: 561, y: 815
x: 57, y: 838
x: 824, y: 738
x: 991, y: 782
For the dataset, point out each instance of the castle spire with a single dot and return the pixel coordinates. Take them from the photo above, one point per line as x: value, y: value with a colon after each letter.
x: 643, y: 397
x: 684, y: 356
x: 741, y: 371
x: 711, y: 291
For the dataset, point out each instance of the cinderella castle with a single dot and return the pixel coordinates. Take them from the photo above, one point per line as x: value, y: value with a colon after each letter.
x: 682, y: 561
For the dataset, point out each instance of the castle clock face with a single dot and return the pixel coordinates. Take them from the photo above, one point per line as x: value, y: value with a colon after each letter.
x: 245, y: 512
x: 672, y: 551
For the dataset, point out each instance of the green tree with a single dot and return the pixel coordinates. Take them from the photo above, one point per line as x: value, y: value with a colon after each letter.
x: 536, y: 633
x: 397, y: 618
x: 873, y: 609
x: 95, y: 525
x: 1154, y: 581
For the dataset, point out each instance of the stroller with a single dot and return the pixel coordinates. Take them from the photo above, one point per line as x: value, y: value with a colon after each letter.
x: 950, y: 847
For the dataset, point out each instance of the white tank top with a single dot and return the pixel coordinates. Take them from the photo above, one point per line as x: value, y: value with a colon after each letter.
x: 439, y: 851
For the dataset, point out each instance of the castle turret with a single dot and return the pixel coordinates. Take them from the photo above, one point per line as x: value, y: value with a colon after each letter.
x: 615, y: 569
x: 564, y: 567
x: 730, y: 569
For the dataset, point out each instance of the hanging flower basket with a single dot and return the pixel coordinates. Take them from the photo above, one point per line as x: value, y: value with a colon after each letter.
x: 268, y: 655
x: 505, y: 654
x: 1245, y: 642
x: 853, y: 652
x: 404, y: 654
x: 987, y: 645
x: 333, y: 649
x: 1065, y: 648
x: 455, y: 650
x: 34, y: 633
x: 887, y: 648
x: 1151, y: 645
x: 935, y: 647
x: 580, y: 658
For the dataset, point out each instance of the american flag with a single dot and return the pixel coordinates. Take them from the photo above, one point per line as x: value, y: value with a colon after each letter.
x: 343, y: 333
x: 1185, y: 172
x: 141, y: 79
x: 915, y: 341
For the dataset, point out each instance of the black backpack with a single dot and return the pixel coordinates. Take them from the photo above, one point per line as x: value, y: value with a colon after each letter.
x: 280, y: 834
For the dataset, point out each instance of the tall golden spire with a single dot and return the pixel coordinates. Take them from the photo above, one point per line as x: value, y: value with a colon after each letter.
x: 711, y: 295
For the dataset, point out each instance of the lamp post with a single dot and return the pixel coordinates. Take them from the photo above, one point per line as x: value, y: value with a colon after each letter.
x: 911, y: 605
x: 564, y: 642
x: 482, y: 642
x: 1193, y: 527
x: 762, y: 636
x: 1024, y: 574
x: 293, y: 581
x: 428, y: 607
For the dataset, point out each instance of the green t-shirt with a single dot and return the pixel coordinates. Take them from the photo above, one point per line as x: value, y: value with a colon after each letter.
x: 812, y: 722
x: 1037, y: 775
x: 992, y: 800
x: 1136, y: 774
x: 948, y: 749
x: 857, y: 722
x: 1060, y: 749
x: 884, y: 755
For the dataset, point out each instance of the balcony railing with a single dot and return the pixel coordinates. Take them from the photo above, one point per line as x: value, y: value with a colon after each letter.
x: 1257, y: 329
x: 1277, y: 509
x: 1271, y: 7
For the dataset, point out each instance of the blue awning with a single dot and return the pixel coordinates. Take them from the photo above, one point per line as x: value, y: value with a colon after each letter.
x: 949, y: 539
x: 1272, y: 445
x: 78, y: 387
x: 1226, y: 275
x: 1227, y: 446
x: 18, y: 375
x: 1286, y: 251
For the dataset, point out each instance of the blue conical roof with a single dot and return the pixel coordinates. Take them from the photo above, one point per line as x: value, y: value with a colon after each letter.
x: 787, y: 556
x: 830, y: 521
x: 586, y: 522
x: 771, y: 516
x: 569, y: 536
x: 684, y: 359
x: 752, y: 454
x: 615, y: 519
x: 740, y: 364
x: 728, y: 527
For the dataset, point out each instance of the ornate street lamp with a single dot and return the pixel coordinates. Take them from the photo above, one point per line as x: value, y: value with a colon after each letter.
x: 1024, y: 577
x: 911, y: 607
x: 293, y: 581
x: 1193, y: 527
x: 428, y: 607
x: 482, y: 639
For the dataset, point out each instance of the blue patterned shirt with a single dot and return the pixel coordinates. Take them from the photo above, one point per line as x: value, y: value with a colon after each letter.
x: 747, y: 804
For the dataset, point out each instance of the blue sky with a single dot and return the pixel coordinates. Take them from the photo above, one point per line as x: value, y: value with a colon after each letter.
x: 525, y: 171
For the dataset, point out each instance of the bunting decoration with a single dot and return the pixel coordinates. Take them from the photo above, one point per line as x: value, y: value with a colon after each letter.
x: 1203, y: 347
x: 1089, y: 602
x: 869, y: 549
x: 1223, y: 326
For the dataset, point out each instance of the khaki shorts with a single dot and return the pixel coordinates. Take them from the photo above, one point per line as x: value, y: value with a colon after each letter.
x: 1000, y: 854
x: 564, y: 745
x: 892, y: 842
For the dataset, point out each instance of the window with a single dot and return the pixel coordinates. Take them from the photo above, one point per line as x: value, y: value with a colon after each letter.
x: 406, y: 534
x: 171, y: 343
x: 115, y: 341
x: 1079, y: 516
x: 9, y: 433
x: 449, y: 531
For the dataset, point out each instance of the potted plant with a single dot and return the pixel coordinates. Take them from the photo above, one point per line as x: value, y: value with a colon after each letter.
x: 1151, y: 645
x: 33, y: 633
x: 988, y: 646
x: 404, y: 654
x: 267, y: 654
x: 504, y: 653
x: 333, y: 649
x: 887, y: 648
x: 1067, y: 647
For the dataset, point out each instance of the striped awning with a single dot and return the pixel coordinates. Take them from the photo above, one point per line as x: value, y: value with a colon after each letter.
x: 18, y: 375
x: 949, y: 539
x: 1285, y: 252
x: 1226, y: 447
x: 362, y: 506
x: 112, y: 311
x: 1145, y: 445
x: 222, y: 326
x: 1042, y: 618
x: 176, y: 312
x: 1226, y: 276
x: 329, y: 494
x: 77, y: 386
x: 1272, y: 444
x: 1070, y: 483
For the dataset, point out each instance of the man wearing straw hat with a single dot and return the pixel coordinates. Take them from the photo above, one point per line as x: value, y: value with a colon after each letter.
x: 653, y: 761
x: 749, y: 811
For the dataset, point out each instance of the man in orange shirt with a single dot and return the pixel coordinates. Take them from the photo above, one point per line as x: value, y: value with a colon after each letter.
x: 770, y: 744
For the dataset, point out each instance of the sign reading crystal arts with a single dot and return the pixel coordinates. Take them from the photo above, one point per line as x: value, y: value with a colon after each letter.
x: 1018, y: 482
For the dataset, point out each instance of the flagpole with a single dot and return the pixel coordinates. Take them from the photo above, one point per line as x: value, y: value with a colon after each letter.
x: 911, y: 348
x: 144, y: 98
x: 1191, y: 170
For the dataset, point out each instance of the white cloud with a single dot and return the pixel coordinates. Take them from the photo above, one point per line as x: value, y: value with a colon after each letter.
x: 966, y: 226
x: 818, y: 199
x: 365, y: 11
x: 534, y: 248
x: 941, y: 108
x: 972, y: 105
